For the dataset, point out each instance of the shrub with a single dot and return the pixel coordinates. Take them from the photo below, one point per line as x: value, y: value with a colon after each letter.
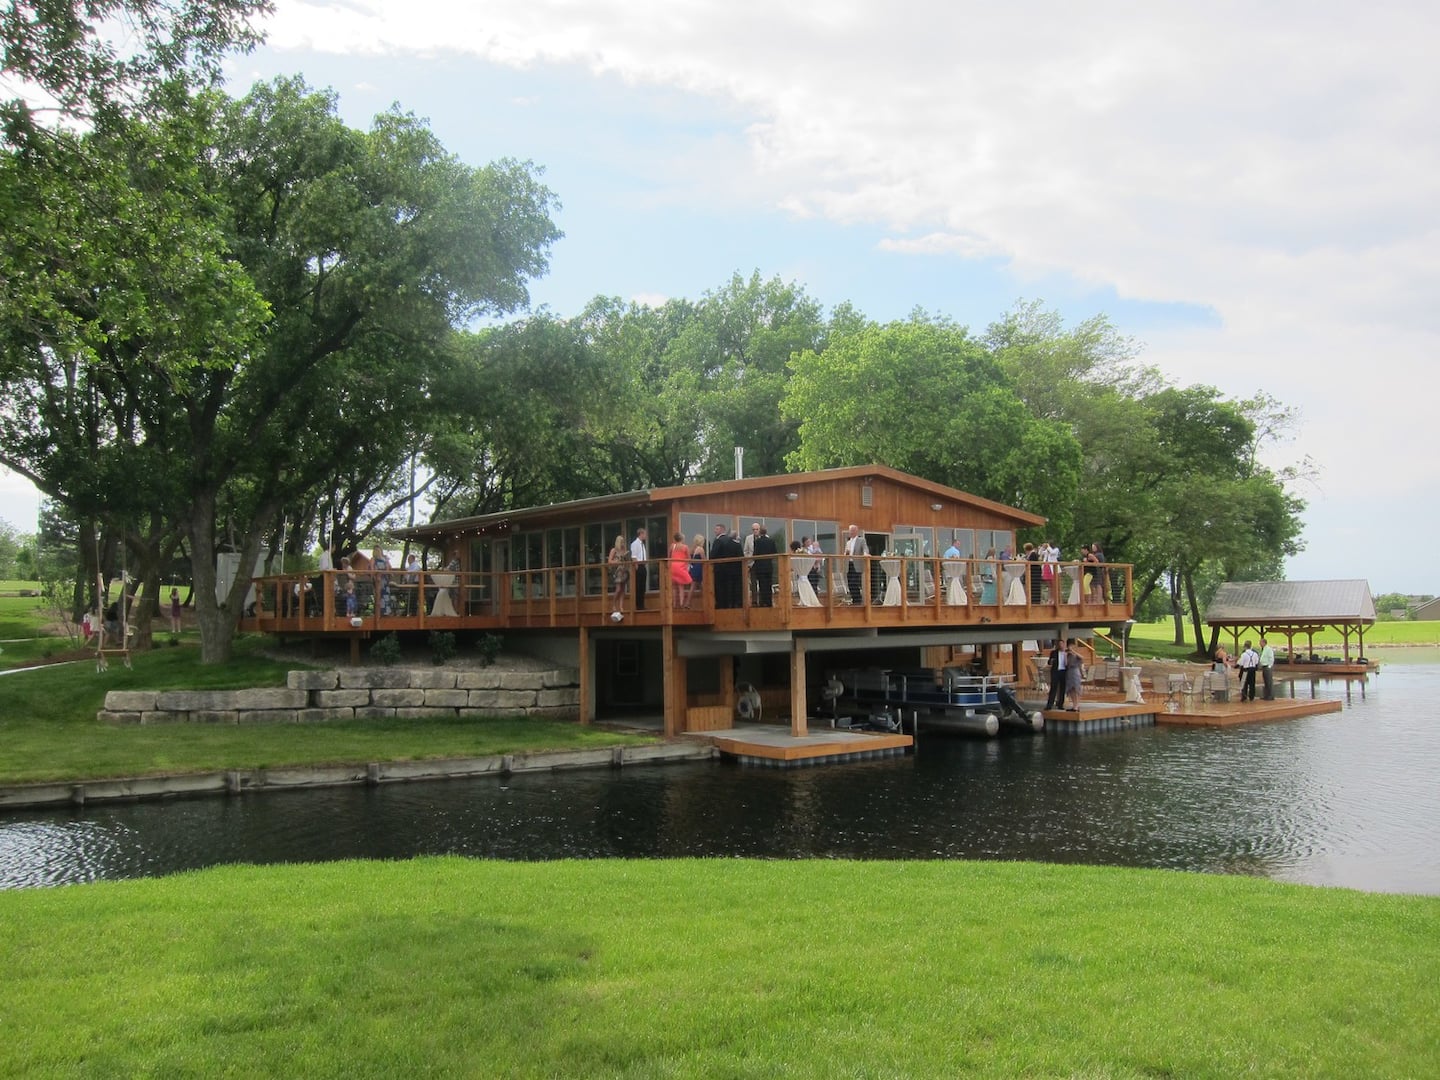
x: 489, y: 647
x: 442, y: 646
x: 387, y: 649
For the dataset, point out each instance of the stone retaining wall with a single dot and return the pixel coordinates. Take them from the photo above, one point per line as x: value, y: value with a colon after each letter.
x: 315, y: 697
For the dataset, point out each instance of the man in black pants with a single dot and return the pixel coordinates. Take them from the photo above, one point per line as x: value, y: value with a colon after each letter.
x: 1249, y: 661
x: 1058, y: 659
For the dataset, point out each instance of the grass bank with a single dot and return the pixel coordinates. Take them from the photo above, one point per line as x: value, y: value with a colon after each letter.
x: 1158, y: 638
x: 716, y: 968
x: 49, y: 731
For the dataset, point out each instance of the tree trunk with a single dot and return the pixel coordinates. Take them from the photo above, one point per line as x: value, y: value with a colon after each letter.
x: 1194, y: 611
x: 219, y: 618
x: 1177, y: 610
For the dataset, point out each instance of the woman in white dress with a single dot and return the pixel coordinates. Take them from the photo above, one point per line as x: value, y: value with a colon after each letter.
x: 800, y: 564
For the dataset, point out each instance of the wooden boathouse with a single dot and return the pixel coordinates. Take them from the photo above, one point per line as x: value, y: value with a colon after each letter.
x: 941, y: 581
x: 1298, y: 609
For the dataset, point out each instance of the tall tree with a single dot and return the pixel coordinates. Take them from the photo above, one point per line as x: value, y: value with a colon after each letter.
x: 366, y: 247
x: 925, y: 397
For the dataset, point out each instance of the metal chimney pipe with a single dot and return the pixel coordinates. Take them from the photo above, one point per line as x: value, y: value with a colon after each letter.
x: 739, y: 463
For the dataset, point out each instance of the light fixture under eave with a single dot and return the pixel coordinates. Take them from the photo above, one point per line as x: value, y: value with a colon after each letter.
x: 792, y: 495
x: 937, y: 506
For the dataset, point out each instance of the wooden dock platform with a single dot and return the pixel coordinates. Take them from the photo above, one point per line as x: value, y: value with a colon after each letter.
x: 1229, y: 713
x: 773, y: 745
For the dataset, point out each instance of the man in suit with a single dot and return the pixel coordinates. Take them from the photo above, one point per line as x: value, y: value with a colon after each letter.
x: 1059, y: 660
x: 763, y: 568
x: 727, y: 574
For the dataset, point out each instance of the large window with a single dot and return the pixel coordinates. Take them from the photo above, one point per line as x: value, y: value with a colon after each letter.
x: 999, y: 541
x: 963, y: 539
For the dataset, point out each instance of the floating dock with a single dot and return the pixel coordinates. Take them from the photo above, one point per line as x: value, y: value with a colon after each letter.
x: 772, y: 745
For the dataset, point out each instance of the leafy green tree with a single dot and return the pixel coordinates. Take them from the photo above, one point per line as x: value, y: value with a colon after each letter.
x: 925, y: 397
x: 365, y: 248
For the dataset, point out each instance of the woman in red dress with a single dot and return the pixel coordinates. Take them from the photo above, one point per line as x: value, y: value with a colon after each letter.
x: 680, y: 571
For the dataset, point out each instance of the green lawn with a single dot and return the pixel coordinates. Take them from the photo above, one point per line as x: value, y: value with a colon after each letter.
x: 723, y: 968
x: 1157, y: 639
x: 49, y: 732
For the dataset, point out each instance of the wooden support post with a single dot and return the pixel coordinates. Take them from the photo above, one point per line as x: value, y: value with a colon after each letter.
x: 675, y: 692
x: 587, y: 678
x: 727, y: 684
x: 799, y: 722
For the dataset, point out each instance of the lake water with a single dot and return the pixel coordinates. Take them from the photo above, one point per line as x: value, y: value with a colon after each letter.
x: 1348, y: 798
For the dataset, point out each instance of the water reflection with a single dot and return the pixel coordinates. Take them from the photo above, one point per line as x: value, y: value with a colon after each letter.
x: 1347, y: 798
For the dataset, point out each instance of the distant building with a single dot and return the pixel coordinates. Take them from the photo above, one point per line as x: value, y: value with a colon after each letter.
x: 1428, y: 610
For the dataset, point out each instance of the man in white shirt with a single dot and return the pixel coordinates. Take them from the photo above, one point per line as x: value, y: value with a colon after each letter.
x: 1248, y: 662
x: 1267, y: 668
x: 639, y: 553
x: 749, y: 547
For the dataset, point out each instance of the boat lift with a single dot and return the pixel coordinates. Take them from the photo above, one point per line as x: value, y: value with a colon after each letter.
x: 947, y: 699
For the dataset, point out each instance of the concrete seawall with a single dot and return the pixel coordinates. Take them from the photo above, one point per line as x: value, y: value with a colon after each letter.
x: 292, y: 777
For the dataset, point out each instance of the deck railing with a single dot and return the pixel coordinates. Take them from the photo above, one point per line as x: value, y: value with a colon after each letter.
x: 760, y: 593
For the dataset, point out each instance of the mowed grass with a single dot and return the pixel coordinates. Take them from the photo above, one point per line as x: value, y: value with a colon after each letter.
x: 1158, y: 638
x: 49, y: 731
x: 727, y: 968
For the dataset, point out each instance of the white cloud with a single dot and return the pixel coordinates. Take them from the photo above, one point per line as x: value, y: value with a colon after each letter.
x: 1273, y: 163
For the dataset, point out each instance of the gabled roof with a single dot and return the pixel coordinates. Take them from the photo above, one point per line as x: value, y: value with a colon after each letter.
x: 1253, y: 603
x: 646, y: 497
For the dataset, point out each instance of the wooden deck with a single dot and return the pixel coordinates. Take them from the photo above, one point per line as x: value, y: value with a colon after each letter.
x: 1229, y: 713
x: 314, y: 604
x: 773, y: 745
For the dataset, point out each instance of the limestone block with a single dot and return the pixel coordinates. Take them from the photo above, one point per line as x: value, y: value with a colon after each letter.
x: 447, y: 699
x: 322, y: 716
x: 397, y: 699
x: 131, y: 700
x: 483, y: 699
x: 330, y: 699
x: 312, y: 680
x: 156, y: 717
x: 478, y: 680
x: 267, y: 716
x: 213, y: 716
x: 549, y: 699
x: 375, y: 679
x: 374, y: 712
x: 434, y: 679
x: 108, y: 716
x: 520, y: 680
x: 418, y: 713
x: 514, y: 700
x: 560, y: 677
x: 271, y: 698
x: 192, y: 700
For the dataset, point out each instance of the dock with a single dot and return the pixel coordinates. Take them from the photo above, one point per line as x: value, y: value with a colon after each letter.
x: 772, y: 745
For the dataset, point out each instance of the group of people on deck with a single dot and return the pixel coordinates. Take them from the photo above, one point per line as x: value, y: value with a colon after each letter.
x: 1250, y: 662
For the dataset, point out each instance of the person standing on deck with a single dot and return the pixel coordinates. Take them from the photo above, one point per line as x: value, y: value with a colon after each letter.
x: 639, y: 553
x: 763, y: 574
x: 726, y: 572
x: 856, y: 552
x: 1074, y: 675
x: 1267, y: 668
x: 1248, y: 662
x: 1059, y: 662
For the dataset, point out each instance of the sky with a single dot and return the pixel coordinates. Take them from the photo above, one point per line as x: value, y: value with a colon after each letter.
x: 1251, y: 192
